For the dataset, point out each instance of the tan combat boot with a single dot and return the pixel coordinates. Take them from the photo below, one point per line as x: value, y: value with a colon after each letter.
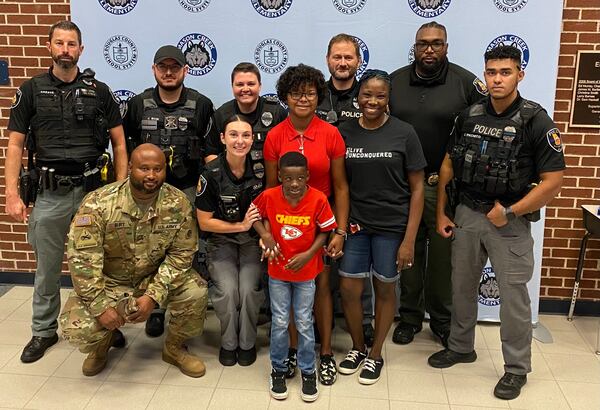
x: 96, y: 360
x: 175, y: 353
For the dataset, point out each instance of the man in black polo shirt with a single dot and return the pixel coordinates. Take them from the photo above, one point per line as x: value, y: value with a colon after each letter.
x: 178, y: 120
x: 429, y: 94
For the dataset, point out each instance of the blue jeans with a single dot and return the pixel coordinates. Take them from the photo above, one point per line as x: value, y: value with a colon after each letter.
x: 300, y: 295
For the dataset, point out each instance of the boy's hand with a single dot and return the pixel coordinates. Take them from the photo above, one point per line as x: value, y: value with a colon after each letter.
x: 270, y: 249
x: 298, y: 261
x: 335, y: 246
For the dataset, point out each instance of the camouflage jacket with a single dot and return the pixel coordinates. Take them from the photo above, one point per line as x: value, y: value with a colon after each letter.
x: 111, y: 244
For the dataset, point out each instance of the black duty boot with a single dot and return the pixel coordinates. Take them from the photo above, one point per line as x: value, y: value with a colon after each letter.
x: 37, y: 346
x: 155, y: 325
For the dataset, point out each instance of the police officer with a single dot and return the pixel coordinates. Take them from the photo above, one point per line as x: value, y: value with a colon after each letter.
x: 428, y: 94
x: 152, y: 266
x: 225, y: 212
x: 178, y: 120
x: 263, y: 113
x: 339, y: 105
x: 505, y: 156
x: 68, y: 117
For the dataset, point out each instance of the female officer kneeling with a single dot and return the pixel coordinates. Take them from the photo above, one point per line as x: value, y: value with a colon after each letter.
x: 223, y: 200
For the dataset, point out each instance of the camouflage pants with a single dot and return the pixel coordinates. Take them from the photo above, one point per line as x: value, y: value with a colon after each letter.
x: 186, y: 303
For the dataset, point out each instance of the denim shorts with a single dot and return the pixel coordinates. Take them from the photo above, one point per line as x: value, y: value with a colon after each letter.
x: 367, y: 254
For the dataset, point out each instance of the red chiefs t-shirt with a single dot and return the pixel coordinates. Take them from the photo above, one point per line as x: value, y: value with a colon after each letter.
x: 295, y: 229
x: 321, y: 143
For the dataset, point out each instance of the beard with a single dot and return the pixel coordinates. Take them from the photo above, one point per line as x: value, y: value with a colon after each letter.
x: 344, y: 76
x: 65, y: 62
x: 171, y: 86
x: 430, y: 69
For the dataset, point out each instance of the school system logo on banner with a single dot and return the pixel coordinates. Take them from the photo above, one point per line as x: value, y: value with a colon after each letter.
x: 349, y: 6
x: 364, y: 55
x: 428, y: 8
x: 510, y: 6
x: 194, y: 6
x: 118, y: 7
x: 411, y: 54
x: 271, y: 8
x: 200, y: 53
x: 120, y: 52
x: 122, y: 96
x: 271, y: 55
x: 489, y: 292
x: 515, y: 41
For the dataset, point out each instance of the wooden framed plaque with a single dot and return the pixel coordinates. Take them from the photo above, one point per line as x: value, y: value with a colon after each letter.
x: 585, y: 106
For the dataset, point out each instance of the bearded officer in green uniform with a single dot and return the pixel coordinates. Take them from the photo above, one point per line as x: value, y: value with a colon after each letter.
x: 134, y: 237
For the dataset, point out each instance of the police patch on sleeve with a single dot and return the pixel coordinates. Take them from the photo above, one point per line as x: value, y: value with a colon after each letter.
x: 16, y: 99
x: 480, y: 86
x: 201, y: 187
x: 554, y: 140
x: 83, y: 220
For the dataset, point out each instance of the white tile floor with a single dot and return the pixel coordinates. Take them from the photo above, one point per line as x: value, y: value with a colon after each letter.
x: 566, y: 374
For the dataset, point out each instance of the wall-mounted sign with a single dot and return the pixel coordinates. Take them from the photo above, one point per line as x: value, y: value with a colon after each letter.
x: 585, y: 107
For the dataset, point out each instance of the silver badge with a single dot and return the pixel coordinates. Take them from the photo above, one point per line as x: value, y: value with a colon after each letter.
x: 509, y: 133
x: 266, y: 118
x: 183, y: 123
x: 170, y: 122
x: 259, y: 170
x: 331, y: 117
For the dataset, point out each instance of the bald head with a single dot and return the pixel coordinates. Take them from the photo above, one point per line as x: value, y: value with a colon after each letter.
x: 147, y: 170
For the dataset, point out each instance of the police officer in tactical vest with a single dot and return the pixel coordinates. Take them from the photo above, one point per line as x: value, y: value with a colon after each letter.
x: 178, y: 120
x: 506, y: 160
x: 65, y: 118
x: 263, y: 113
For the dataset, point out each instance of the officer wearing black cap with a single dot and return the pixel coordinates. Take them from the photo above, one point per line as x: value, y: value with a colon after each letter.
x: 428, y: 94
x: 263, y: 113
x: 178, y: 119
x: 506, y: 159
x: 67, y: 118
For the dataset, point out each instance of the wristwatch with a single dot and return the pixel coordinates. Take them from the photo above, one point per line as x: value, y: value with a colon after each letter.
x: 509, y: 213
x: 341, y: 232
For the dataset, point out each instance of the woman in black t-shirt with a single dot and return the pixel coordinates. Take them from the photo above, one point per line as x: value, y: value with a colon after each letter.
x: 384, y: 164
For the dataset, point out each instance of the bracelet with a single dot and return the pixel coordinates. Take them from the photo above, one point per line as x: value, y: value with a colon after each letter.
x: 341, y: 232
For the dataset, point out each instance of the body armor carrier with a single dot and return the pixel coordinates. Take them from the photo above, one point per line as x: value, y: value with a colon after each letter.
x: 174, y: 132
x: 68, y: 124
x: 233, y: 203
x: 486, y: 160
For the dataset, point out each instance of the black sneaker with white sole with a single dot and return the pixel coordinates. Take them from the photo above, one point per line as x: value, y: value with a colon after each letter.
x: 291, y: 362
x: 277, y: 386
x: 309, y: 392
x: 371, y: 371
x: 327, y: 370
x: 354, y: 359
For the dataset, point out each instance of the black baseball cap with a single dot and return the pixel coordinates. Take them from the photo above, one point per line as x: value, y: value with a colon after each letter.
x: 169, y: 52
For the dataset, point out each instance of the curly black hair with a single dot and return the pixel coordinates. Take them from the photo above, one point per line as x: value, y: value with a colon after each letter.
x: 295, y: 78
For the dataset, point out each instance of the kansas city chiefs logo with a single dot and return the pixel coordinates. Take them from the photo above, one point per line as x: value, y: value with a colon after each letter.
x: 289, y: 232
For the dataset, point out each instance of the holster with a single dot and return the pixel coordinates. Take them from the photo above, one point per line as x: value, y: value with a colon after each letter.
x: 452, y: 193
x: 28, y: 186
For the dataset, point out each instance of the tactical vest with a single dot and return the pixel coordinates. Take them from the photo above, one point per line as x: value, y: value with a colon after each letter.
x: 486, y: 159
x: 260, y: 128
x: 234, y: 199
x: 68, y: 124
x: 174, y: 132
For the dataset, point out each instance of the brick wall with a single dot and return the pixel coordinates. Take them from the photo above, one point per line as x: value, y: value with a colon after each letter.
x: 23, y: 35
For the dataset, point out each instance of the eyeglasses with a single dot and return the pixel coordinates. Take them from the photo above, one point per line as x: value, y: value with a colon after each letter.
x: 310, y: 96
x: 174, y: 68
x: 421, y: 46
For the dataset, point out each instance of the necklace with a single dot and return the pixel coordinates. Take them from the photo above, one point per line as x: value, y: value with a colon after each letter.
x: 361, y: 122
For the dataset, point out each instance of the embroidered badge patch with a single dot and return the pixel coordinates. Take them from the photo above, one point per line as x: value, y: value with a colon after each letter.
x: 554, y: 140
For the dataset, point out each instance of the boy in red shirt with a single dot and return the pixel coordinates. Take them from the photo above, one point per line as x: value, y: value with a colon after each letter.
x: 296, y: 221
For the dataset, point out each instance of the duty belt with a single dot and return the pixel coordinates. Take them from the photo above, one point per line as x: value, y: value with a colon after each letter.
x: 475, y: 204
x: 432, y: 179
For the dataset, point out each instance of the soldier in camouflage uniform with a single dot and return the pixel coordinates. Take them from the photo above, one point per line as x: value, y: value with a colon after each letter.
x: 134, y: 237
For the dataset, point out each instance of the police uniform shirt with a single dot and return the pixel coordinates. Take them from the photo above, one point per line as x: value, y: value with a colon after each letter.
x: 377, y: 165
x: 342, y: 102
x: 23, y: 110
x: 542, y: 147
x: 209, y: 191
x: 203, y: 124
x: 431, y: 105
x: 214, y: 146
